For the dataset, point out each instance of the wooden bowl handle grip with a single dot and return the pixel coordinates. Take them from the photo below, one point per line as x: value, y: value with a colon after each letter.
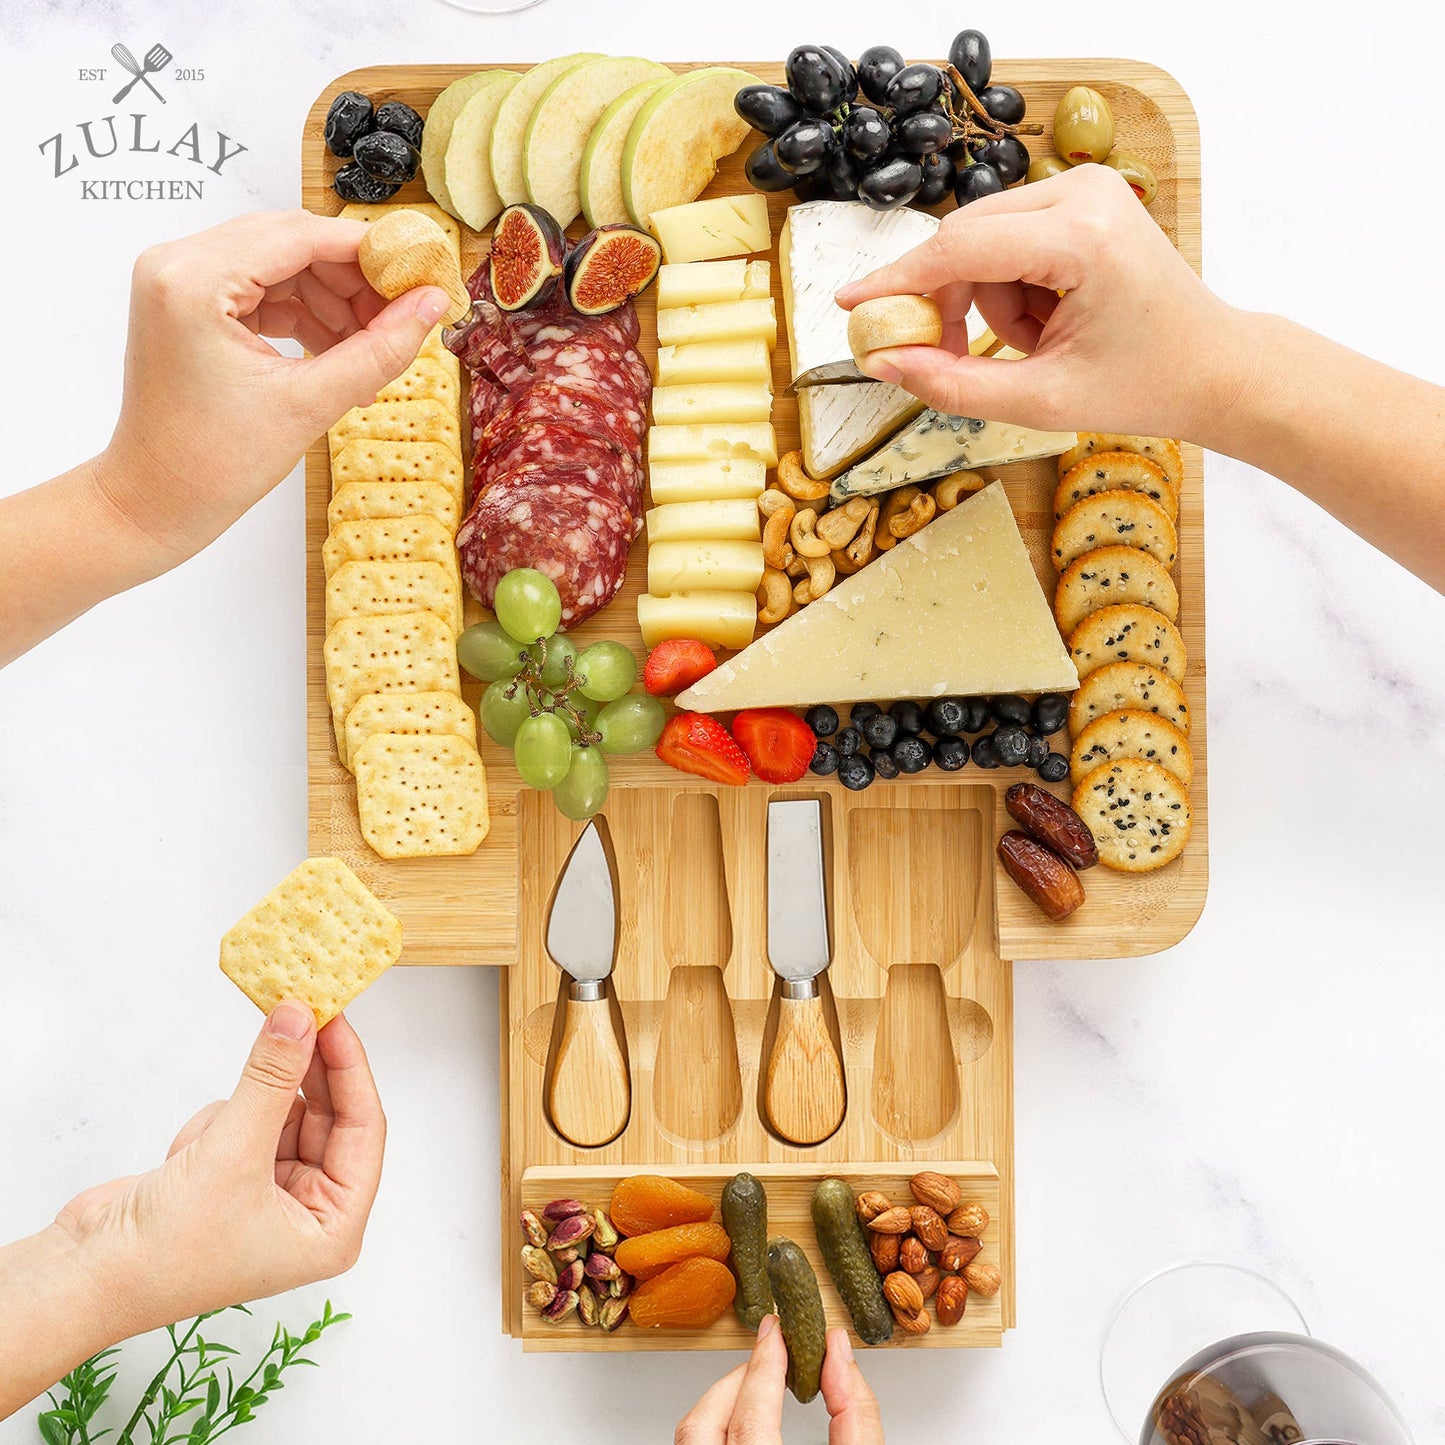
x: 589, y: 1095
x: 803, y: 1089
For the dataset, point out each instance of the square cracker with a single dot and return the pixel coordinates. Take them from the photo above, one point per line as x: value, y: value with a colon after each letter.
x: 375, y: 210
x: 399, y: 421
x: 318, y: 936
x: 436, y: 348
x: 382, y: 589
x: 421, y: 796
x: 409, y: 713
x: 425, y: 378
x: 417, y: 538
x: 363, y: 501
x: 368, y: 459
x: 409, y: 652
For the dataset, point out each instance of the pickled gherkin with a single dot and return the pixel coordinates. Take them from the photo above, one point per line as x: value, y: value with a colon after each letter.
x: 800, y: 1316
x: 846, y: 1253
x: 745, y: 1217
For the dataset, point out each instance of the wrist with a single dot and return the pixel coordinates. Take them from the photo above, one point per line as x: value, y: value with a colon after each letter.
x: 1236, y: 394
x: 137, y: 555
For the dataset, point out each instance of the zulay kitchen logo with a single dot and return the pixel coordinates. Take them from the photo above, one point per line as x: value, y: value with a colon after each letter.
x: 123, y: 136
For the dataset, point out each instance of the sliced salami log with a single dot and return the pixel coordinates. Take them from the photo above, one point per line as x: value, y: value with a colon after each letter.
x: 578, y: 538
x: 489, y: 344
x: 553, y: 449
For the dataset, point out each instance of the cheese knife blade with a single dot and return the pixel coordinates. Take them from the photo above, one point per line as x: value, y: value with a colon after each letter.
x: 582, y: 927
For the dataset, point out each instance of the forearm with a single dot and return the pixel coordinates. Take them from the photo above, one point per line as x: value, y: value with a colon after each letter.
x: 1363, y: 440
x: 58, y: 1307
x: 64, y: 547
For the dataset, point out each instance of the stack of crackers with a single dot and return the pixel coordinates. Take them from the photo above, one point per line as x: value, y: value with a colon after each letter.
x: 394, y: 607
x: 1115, y: 544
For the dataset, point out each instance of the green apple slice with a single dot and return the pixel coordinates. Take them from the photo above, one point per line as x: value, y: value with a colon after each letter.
x: 599, y: 182
x: 468, y: 166
x: 441, y: 121
x: 560, y: 125
x: 678, y: 137
x: 510, y: 129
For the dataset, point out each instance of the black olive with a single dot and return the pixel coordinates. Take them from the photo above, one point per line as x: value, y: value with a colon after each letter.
x: 349, y: 118
x: 353, y: 184
x: 387, y: 157
x: 400, y: 119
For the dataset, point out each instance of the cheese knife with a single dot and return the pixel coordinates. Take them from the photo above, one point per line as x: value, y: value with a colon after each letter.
x: 589, y: 1094
x: 803, y: 1087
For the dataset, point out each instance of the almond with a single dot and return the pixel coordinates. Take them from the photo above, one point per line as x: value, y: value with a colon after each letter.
x: 956, y: 1253
x: 892, y: 1221
x: 928, y: 1225
x: 918, y: 1324
x: 928, y: 1280
x: 983, y: 1279
x: 912, y: 1257
x: 902, y: 1292
x: 938, y: 1191
x: 950, y: 1300
x: 885, y: 1250
x: 968, y: 1219
x: 871, y: 1204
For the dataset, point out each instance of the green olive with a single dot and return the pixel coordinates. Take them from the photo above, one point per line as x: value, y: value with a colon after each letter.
x: 1083, y: 126
x: 1044, y: 167
x: 1141, y: 179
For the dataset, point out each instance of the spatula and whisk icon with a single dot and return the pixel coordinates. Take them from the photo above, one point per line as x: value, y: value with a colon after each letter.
x: 156, y: 59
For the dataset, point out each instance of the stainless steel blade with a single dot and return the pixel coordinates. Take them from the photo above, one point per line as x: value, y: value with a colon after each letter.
x: 834, y: 373
x: 582, y: 927
x: 797, y: 902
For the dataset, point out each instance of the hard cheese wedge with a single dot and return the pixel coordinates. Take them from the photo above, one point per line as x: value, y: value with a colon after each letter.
x: 823, y: 245
x: 955, y: 609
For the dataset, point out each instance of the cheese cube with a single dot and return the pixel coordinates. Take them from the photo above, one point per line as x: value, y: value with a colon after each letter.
x: 729, y: 521
x: 707, y: 481
x: 722, y: 321
x: 713, y: 442
x: 712, y: 401
x: 699, y: 283
x: 703, y: 230
x: 721, y: 619
x: 743, y: 360
x: 704, y: 567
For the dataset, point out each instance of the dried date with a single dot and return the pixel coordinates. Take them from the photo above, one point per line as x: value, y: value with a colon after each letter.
x: 1052, y: 822
x: 1043, y: 875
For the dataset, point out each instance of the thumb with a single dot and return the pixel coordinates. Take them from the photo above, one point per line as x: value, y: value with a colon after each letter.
x: 352, y: 372
x: 976, y: 386
x: 256, y: 1113
x: 853, y: 1412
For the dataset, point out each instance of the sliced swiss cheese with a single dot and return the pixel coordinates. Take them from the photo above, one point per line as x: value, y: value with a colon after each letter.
x: 824, y: 245
x: 955, y: 609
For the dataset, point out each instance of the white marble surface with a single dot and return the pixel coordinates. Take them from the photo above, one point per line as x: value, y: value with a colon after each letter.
x: 1266, y: 1093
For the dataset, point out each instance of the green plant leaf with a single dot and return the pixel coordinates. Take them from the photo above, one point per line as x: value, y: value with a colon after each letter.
x: 52, y: 1430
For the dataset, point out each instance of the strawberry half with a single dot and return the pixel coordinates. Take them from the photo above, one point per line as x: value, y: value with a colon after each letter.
x: 693, y: 742
x: 778, y: 743
x: 676, y: 664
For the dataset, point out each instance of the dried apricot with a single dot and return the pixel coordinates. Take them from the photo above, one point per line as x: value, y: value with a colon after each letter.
x: 648, y: 1201
x: 687, y: 1296
x: 644, y: 1255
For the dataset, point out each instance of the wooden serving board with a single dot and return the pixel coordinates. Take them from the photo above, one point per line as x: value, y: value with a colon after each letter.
x: 923, y: 919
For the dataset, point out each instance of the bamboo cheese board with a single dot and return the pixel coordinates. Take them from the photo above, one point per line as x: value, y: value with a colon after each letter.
x: 923, y: 922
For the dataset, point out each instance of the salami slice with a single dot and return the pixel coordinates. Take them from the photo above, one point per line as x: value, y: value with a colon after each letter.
x: 555, y: 317
x: 489, y: 345
x: 544, y: 450
x: 580, y: 408
x: 579, y: 539
x: 595, y: 358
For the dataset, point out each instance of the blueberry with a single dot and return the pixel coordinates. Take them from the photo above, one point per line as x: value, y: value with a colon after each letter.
x: 385, y: 156
x: 1051, y: 712
x: 855, y: 772
x: 879, y: 731
x: 848, y: 742
x: 825, y: 760
x: 1010, y: 744
x: 912, y: 754
x: 862, y: 711
x: 1009, y: 707
x: 945, y: 716
x: 883, y: 764
x: 349, y: 119
x: 975, y: 715
x: 354, y: 184
x: 983, y: 753
x: 1054, y: 768
x: 822, y: 719
x: 950, y: 754
x: 1038, y: 751
x: 908, y: 716
x: 399, y: 118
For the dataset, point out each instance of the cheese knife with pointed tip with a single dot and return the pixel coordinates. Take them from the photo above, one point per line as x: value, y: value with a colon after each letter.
x: 803, y: 1087
x: 589, y: 1095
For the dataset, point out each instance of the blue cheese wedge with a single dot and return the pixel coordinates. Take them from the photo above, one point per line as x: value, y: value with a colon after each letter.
x: 955, y: 609
x: 823, y: 245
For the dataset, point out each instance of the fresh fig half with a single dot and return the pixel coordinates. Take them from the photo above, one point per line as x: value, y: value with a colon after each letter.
x: 609, y: 266
x: 527, y: 256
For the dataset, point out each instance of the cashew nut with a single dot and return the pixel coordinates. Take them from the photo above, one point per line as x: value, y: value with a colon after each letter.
x: 918, y: 514
x: 796, y: 482
x: 949, y: 491
x: 803, y: 591
x: 773, y: 500
x: 801, y: 534
x: 895, y: 504
x: 821, y: 573
x: 861, y: 550
x: 797, y: 566
x: 775, y: 596
x: 838, y: 527
x: 776, y: 551
x: 844, y: 565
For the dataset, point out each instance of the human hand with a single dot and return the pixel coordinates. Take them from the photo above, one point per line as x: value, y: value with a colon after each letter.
x: 260, y: 1193
x: 212, y: 416
x: 745, y: 1407
x: 1137, y: 344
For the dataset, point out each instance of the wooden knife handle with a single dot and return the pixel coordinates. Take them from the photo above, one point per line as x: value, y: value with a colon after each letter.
x: 803, y: 1089
x: 589, y: 1095
x: 405, y: 249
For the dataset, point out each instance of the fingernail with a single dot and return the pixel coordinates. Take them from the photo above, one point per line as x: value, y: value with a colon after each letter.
x: 768, y: 1325
x: 844, y: 292
x: 881, y: 370
x: 290, y: 1020
x: 432, y: 305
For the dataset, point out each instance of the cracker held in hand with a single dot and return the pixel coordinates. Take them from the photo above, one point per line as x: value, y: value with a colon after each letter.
x: 318, y: 936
